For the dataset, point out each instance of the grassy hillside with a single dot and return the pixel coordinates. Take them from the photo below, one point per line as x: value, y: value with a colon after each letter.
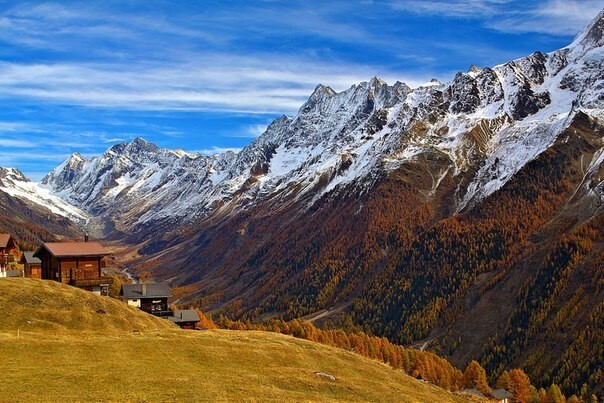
x: 51, y: 307
x: 65, y: 355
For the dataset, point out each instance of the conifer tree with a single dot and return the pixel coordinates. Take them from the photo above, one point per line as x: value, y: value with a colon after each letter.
x: 476, y: 377
x: 555, y: 395
x: 520, y: 386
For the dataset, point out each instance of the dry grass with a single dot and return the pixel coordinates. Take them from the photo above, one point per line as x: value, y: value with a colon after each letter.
x: 39, y: 305
x: 165, y: 364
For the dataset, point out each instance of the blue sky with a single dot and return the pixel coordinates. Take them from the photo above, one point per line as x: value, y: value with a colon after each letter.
x: 210, y: 75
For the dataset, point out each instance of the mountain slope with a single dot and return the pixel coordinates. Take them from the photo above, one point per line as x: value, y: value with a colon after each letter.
x: 157, y: 362
x: 32, y: 215
x: 406, y: 212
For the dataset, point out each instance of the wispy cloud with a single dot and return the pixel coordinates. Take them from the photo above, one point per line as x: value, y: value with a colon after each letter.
x: 124, y: 70
x: 218, y: 150
x: 452, y: 8
x: 250, y: 85
x: 557, y: 17
x: 256, y: 130
x: 113, y: 140
x: 16, y: 143
x: 211, y: 68
x: 17, y: 127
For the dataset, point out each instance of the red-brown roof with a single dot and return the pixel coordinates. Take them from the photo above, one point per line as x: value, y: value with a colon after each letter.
x: 4, y: 239
x: 65, y: 249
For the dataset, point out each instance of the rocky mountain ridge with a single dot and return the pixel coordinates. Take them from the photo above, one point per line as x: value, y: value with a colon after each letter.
x: 463, y: 216
x: 482, y: 128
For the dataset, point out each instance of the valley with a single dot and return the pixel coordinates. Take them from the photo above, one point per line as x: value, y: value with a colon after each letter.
x: 463, y: 217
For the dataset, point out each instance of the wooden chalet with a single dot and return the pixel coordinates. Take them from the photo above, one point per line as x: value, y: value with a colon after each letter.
x: 74, y: 263
x: 186, y: 319
x: 151, y: 298
x: 32, y: 266
x: 7, y: 253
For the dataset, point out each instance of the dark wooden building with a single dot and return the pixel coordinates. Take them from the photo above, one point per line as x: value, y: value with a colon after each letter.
x: 7, y: 253
x: 151, y: 298
x: 32, y: 266
x: 74, y: 263
x: 186, y: 319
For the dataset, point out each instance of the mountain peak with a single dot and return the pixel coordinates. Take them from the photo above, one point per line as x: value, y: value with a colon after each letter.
x: 75, y: 160
x: 139, y: 140
x: 376, y: 81
x: 474, y: 69
x: 13, y: 174
x: 137, y: 145
x: 322, y: 89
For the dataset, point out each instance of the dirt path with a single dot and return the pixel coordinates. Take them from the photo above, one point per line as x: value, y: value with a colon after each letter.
x: 323, y: 313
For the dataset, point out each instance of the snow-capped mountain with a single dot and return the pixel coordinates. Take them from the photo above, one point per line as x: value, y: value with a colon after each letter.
x: 469, y: 213
x: 131, y: 182
x: 15, y: 184
x: 483, y: 127
x: 33, y: 215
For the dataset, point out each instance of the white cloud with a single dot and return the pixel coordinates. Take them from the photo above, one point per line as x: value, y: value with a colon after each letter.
x: 16, y: 143
x: 557, y: 17
x: 452, y: 8
x: 10, y: 158
x: 256, y: 130
x: 113, y: 140
x: 17, y: 127
x: 135, y: 75
x: 218, y: 150
x: 218, y: 82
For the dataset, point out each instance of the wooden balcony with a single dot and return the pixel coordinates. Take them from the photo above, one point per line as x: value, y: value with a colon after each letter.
x: 162, y: 314
x: 91, y: 282
x: 6, y: 259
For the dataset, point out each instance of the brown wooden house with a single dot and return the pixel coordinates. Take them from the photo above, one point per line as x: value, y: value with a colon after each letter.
x: 7, y: 253
x: 31, y: 265
x: 74, y: 263
x: 186, y: 318
x: 151, y: 298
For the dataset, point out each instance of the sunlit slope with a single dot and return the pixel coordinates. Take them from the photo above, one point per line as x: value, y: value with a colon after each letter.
x: 52, y: 307
x: 62, y: 356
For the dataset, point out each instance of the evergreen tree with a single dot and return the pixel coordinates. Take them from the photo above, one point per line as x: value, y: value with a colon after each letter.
x: 555, y: 395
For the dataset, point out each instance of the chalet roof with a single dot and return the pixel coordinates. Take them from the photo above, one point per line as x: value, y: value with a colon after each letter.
x: 73, y: 249
x: 474, y: 392
x: 136, y: 291
x: 500, y: 394
x: 4, y: 240
x: 186, y: 315
x: 28, y: 257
